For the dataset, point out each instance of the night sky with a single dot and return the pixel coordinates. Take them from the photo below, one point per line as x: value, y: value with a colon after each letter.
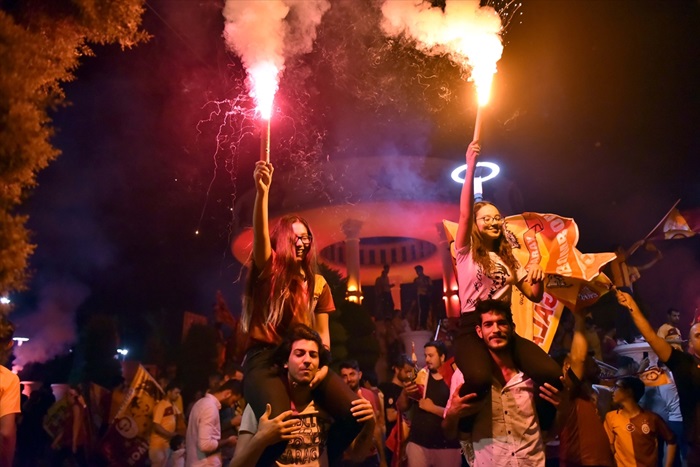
x: 594, y: 116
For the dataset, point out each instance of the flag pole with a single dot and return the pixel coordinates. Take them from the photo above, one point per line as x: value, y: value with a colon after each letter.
x: 663, y: 219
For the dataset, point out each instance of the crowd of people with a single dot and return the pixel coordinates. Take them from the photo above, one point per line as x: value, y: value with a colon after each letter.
x: 505, y: 401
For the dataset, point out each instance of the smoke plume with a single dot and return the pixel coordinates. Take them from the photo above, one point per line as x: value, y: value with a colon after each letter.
x: 467, y: 33
x: 265, y: 34
x: 51, y: 328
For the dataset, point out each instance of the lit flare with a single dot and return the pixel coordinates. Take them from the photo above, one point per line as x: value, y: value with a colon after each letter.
x: 264, y: 85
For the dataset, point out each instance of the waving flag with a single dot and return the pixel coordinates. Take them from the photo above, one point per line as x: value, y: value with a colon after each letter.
x: 573, y: 279
x: 222, y: 314
x: 550, y: 241
x: 677, y: 224
x: 126, y: 440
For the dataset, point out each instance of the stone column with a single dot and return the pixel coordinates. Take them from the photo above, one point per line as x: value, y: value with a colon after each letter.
x: 450, y: 292
x: 351, y: 228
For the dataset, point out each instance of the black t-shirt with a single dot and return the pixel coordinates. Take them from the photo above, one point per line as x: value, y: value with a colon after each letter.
x: 391, y: 393
x: 686, y: 373
x: 426, y: 428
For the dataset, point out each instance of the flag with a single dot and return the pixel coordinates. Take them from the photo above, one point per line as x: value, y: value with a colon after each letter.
x: 98, y: 400
x: 126, y: 440
x: 55, y: 418
x: 550, y: 241
x: 677, y: 224
x: 607, y: 372
x: 222, y: 314
x: 537, y: 322
x: 189, y: 319
x: 396, y: 440
x: 654, y: 376
x: 572, y: 279
x: 447, y: 369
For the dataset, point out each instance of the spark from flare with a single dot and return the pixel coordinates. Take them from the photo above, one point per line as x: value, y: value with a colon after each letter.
x: 232, y: 121
x: 264, y: 35
x: 227, y: 131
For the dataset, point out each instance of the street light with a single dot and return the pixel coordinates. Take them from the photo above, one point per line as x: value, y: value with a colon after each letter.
x: 20, y: 340
x: 478, y: 181
x: 123, y: 353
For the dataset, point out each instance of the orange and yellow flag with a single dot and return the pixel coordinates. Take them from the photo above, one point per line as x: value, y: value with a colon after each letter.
x: 677, y: 224
x: 126, y: 440
x: 573, y: 279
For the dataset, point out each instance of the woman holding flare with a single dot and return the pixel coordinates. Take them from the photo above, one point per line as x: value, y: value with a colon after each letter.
x: 487, y: 269
x: 283, y: 288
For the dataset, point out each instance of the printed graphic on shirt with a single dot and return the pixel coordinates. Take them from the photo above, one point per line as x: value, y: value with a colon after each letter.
x: 635, y: 440
x: 309, y: 442
x: 499, y: 274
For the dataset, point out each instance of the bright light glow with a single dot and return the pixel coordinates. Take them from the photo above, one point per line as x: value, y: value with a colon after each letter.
x: 469, y: 34
x: 457, y: 173
x: 481, y: 48
x: 483, y: 65
x: 353, y: 294
x: 4, y: 301
x: 123, y: 352
x: 20, y: 340
x: 263, y: 77
x: 483, y: 83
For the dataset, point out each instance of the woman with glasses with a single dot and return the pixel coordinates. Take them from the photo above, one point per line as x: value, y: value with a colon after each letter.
x: 282, y: 289
x: 487, y: 269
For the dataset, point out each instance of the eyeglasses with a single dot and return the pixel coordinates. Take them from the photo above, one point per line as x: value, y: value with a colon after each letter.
x: 491, y: 219
x: 305, y: 239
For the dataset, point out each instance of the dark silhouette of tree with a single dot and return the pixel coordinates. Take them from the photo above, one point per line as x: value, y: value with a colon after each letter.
x: 41, y: 44
x: 56, y: 370
x: 197, y: 359
x: 353, y: 333
x: 97, y: 348
x: 362, y: 343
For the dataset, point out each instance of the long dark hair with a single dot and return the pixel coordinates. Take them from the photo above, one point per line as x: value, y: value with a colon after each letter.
x: 500, y: 246
x: 286, y: 282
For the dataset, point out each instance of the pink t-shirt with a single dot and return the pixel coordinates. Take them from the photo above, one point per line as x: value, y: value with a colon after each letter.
x: 475, y: 285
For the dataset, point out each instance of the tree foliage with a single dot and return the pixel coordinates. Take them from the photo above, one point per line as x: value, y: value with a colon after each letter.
x: 353, y: 333
x: 198, y: 358
x: 41, y: 44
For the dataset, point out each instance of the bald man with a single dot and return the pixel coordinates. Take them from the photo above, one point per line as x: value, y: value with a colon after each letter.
x: 686, y: 373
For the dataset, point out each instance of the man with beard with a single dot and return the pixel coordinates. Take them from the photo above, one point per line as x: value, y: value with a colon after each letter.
x: 669, y: 330
x: 427, y: 446
x: 685, y: 367
x: 351, y: 374
x: 506, y: 429
x: 164, y: 428
x: 203, y: 440
x: 403, y: 371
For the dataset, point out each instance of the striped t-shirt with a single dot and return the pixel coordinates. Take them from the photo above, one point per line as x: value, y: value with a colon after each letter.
x: 635, y: 440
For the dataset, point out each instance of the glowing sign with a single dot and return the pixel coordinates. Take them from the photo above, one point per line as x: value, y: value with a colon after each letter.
x: 495, y: 170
